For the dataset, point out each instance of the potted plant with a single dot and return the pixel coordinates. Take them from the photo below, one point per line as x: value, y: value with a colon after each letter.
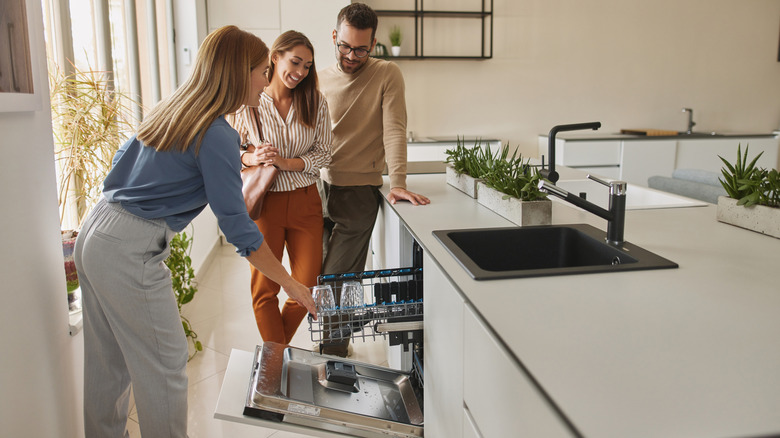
x: 510, y: 188
x: 395, y: 40
x: 753, y: 200
x: 465, y: 166
x: 183, y: 282
x: 89, y: 123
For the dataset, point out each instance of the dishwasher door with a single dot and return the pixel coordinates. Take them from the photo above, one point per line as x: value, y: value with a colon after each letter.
x: 297, y: 386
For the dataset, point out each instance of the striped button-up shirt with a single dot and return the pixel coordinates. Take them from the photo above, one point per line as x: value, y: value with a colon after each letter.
x: 295, y: 140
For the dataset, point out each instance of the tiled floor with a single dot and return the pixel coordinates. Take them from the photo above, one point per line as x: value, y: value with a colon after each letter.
x: 221, y: 315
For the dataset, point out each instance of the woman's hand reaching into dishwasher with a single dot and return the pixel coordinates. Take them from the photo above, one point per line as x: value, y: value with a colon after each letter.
x: 264, y: 260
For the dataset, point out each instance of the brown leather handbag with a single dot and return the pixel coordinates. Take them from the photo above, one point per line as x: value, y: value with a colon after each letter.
x: 257, y: 180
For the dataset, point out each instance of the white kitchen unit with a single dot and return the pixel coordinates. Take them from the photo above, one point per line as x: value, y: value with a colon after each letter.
x: 690, y: 351
x: 497, y: 392
x: 444, y: 355
x: 596, y: 155
x: 634, y: 158
x: 703, y: 153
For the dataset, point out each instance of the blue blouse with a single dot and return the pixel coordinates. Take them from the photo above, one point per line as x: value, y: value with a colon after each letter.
x: 177, y: 185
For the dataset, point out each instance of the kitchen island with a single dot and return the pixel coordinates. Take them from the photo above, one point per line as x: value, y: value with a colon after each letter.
x: 689, y: 352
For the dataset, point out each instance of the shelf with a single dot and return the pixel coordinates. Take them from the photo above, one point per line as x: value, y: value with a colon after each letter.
x: 420, y: 58
x: 454, y: 14
x: 422, y: 25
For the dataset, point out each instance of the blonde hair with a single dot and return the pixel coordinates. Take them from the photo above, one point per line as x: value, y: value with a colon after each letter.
x: 305, y: 94
x: 220, y: 83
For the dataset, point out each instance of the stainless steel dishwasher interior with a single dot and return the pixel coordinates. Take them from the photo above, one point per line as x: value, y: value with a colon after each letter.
x: 291, y: 385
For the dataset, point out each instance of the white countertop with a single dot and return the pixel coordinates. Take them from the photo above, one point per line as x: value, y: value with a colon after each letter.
x: 690, y: 352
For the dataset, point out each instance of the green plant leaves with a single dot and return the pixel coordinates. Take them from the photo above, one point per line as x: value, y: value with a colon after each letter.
x: 183, y: 282
x: 747, y: 183
x: 509, y: 175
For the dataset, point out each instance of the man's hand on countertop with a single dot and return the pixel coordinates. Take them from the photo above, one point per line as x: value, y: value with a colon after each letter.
x: 399, y: 194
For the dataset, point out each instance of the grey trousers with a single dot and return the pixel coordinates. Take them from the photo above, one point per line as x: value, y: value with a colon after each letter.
x: 132, y: 329
x: 349, y: 213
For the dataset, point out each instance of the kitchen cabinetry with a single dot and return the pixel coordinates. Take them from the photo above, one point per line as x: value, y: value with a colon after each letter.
x: 443, y: 340
x: 498, y: 395
x: 600, y: 157
x: 634, y: 159
x: 703, y: 153
x: 473, y: 387
x: 438, y: 33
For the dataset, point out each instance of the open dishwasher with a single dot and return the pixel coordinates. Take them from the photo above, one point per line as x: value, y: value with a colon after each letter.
x: 306, y: 388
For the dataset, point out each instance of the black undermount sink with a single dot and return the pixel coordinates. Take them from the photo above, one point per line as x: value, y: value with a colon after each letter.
x: 516, y: 252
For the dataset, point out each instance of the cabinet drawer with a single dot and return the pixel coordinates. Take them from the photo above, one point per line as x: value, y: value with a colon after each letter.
x: 587, y: 153
x: 497, y: 393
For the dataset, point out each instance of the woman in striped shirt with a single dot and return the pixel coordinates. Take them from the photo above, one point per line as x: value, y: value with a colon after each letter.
x: 294, y: 125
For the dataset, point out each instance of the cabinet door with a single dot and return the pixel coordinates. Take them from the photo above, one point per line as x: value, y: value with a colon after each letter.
x: 443, y: 338
x: 500, y: 397
x: 703, y: 153
x: 470, y: 429
x: 587, y: 153
x: 642, y: 159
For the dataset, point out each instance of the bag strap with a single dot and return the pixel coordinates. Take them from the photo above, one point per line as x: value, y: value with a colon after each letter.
x: 254, y: 113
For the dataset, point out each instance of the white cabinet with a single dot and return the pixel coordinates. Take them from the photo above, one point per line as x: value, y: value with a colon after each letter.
x: 599, y: 157
x: 443, y: 339
x: 634, y: 160
x: 703, y: 153
x: 470, y: 429
x: 642, y: 159
x: 499, y: 397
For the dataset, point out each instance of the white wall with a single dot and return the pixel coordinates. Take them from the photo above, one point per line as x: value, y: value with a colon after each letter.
x: 626, y: 63
x: 269, y: 18
x: 40, y: 364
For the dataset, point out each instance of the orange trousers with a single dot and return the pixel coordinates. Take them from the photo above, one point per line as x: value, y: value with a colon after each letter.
x: 292, y: 219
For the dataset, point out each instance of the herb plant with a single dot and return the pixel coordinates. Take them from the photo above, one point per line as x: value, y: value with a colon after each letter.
x: 395, y: 36
x: 749, y: 184
x: 513, y: 177
x: 469, y: 161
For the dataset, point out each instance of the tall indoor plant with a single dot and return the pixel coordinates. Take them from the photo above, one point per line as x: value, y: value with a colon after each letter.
x: 89, y: 122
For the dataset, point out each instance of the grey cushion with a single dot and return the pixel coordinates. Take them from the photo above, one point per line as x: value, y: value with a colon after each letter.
x: 697, y: 175
x: 696, y: 190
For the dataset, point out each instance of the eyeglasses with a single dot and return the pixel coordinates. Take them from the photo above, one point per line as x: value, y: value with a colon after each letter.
x: 346, y: 50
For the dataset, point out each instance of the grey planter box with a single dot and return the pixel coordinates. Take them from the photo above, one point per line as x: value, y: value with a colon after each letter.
x: 520, y: 212
x: 758, y: 218
x: 465, y: 183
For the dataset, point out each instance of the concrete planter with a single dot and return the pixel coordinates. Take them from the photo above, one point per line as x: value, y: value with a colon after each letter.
x: 520, y: 212
x: 465, y: 183
x: 758, y: 218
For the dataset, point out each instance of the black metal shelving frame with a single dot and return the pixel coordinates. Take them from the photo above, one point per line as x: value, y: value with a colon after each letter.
x: 419, y: 13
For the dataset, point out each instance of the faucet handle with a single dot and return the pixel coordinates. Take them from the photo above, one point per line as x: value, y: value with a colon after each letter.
x: 598, y: 180
x: 615, y: 187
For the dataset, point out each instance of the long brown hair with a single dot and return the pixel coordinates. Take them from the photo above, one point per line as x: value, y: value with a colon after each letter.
x: 219, y: 84
x: 305, y: 94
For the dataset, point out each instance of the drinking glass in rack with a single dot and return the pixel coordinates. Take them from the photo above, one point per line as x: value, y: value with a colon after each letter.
x: 351, y: 295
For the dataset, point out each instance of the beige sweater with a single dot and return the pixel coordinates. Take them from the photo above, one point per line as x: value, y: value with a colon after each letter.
x: 368, y: 115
